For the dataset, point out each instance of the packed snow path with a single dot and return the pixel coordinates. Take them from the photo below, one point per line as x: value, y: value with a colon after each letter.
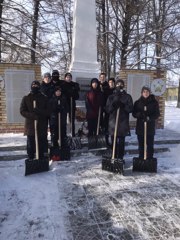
x: 77, y: 200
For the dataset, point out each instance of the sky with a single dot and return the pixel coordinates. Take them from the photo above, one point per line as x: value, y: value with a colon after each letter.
x: 38, y: 206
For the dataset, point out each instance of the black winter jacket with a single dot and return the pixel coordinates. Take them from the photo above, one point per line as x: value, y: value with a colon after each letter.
x: 47, y: 89
x: 150, y: 115
x: 125, y: 102
x: 105, y: 91
x: 71, y: 91
x: 56, y: 108
x: 41, y: 114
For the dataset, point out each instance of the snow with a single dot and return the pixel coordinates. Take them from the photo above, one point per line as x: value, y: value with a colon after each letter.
x: 77, y: 200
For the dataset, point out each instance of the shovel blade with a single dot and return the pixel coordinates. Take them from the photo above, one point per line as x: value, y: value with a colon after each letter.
x: 60, y: 154
x: 113, y: 165
x: 148, y: 165
x: 36, y: 166
x: 98, y: 141
x: 74, y: 143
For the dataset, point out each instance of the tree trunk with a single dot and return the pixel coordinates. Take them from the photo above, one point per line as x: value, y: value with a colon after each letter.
x: 34, y: 30
x: 125, y: 35
x: 104, y: 36
x: 178, y: 102
x: 1, y: 9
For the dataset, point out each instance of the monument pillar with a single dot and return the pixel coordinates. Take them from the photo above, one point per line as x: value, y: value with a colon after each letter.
x: 84, y: 65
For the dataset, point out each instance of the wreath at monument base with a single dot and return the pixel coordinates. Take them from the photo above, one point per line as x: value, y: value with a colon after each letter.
x: 80, y: 115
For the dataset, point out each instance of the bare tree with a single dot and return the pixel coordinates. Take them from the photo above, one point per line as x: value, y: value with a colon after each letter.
x: 34, y: 29
x: 178, y: 102
x: 1, y: 10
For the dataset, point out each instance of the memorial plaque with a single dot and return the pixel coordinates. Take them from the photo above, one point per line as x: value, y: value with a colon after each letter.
x: 84, y: 84
x: 17, y: 85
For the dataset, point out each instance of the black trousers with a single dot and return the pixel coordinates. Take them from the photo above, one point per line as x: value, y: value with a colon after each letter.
x: 42, y: 146
x: 92, y: 127
x: 120, y: 146
x: 55, y: 135
x: 150, y: 146
x: 72, y: 122
x: 104, y: 121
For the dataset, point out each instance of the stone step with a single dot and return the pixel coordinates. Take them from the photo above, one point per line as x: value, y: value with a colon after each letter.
x: 85, y: 144
x: 14, y: 154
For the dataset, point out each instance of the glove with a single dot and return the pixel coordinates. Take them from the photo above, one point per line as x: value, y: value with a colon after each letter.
x: 37, y: 111
x: 33, y: 116
x: 59, y: 108
x: 145, y: 117
x: 118, y: 104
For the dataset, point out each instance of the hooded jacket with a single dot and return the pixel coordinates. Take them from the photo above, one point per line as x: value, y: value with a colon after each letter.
x: 122, y: 100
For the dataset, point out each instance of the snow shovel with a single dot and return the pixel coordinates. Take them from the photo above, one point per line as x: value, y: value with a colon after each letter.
x: 36, y: 165
x: 59, y: 153
x: 145, y: 165
x: 97, y: 141
x: 110, y: 163
x: 73, y: 142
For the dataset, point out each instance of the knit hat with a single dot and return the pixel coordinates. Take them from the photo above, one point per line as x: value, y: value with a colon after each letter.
x: 55, y: 73
x: 35, y: 82
x: 120, y: 82
x: 94, y: 80
x: 35, y: 89
x: 147, y: 88
x: 68, y: 74
x: 47, y: 74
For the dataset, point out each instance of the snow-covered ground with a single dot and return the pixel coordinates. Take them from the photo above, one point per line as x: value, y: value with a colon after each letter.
x: 77, y: 200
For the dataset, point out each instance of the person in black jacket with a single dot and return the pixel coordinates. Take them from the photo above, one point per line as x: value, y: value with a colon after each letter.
x: 59, y: 109
x: 93, y: 101
x: 40, y: 113
x: 119, y: 99
x: 111, y: 82
x: 146, y: 109
x: 71, y: 91
x: 104, y: 86
x: 47, y: 86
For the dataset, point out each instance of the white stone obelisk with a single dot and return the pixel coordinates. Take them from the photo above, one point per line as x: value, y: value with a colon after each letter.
x: 84, y: 65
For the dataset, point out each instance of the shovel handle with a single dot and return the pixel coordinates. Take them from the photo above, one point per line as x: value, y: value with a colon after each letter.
x: 36, y: 134
x: 98, y: 124
x: 145, y: 136
x: 115, y: 133
x: 59, y: 125
x: 71, y: 115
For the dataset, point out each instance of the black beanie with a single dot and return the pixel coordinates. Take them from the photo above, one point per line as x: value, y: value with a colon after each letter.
x: 55, y: 73
x: 120, y: 82
x: 35, y: 82
x: 68, y: 74
x: 94, y: 80
x: 35, y: 89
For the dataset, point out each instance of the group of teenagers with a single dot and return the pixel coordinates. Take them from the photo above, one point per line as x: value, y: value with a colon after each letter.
x: 55, y: 98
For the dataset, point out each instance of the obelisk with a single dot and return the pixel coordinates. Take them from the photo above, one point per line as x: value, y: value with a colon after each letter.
x: 84, y: 65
